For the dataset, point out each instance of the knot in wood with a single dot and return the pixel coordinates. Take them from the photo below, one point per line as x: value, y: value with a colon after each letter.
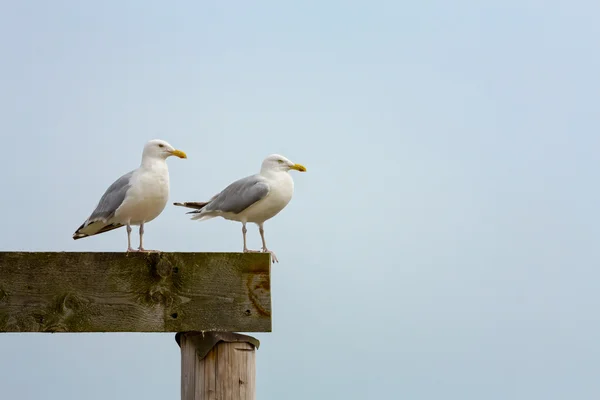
x: 259, y: 288
x: 70, y: 302
x: 161, y: 267
x: 3, y: 294
x: 160, y: 295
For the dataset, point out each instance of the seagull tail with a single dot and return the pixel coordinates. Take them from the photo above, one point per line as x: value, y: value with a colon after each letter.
x: 196, y: 205
x: 199, y: 212
x: 200, y: 217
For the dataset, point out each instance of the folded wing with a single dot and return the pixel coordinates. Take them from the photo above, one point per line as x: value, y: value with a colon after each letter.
x: 235, y: 198
x: 111, y: 200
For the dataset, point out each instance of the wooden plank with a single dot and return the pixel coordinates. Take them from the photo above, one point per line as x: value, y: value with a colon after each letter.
x: 134, y: 292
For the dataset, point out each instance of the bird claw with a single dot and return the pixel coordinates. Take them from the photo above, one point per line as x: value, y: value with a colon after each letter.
x: 273, y: 256
x: 251, y: 251
x: 272, y: 253
x: 143, y: 250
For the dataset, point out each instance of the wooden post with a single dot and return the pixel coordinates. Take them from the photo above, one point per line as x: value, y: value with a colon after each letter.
x: 217, y: 365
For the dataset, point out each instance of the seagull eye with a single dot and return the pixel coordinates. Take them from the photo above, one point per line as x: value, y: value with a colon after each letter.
x: 280, y: 161
x: 161, y: 145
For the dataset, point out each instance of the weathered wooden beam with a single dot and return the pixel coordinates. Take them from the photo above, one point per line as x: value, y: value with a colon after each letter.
x: 217, y: 365
x: 134, y: 292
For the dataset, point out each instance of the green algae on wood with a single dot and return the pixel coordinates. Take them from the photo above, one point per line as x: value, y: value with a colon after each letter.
x: 134, y: 292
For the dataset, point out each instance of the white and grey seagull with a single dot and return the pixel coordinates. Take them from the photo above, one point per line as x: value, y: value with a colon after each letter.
x: 136, y: 198
x: 254, y: 199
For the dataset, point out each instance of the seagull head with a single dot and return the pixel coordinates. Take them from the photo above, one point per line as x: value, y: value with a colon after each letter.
x: 278, y: 163
x: 162, y: 150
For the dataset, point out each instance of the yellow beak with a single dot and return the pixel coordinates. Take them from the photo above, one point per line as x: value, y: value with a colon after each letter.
x: 298, y: 167
x: 179, y: 153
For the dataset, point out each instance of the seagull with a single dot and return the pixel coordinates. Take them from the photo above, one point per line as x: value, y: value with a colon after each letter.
x: 254, y: 199
x: 135, y: 198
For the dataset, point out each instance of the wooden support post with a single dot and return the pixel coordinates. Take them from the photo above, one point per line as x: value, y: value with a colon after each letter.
x: 217, y: 365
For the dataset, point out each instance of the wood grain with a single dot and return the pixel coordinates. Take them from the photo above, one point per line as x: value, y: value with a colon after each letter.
x: 226, y: 372
x: 134, y: 292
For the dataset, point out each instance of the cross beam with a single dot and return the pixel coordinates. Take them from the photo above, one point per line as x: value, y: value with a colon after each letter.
x: 134, y: 292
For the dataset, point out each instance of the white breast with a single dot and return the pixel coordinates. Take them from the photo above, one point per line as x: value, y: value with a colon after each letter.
x: 281, y: 192
x: 147, y: 196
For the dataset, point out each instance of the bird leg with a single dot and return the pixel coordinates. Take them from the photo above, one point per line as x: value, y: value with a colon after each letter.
x: 244, y: 230
x: 141, y: 248
x: 129, y: 248
x: 264, y: 244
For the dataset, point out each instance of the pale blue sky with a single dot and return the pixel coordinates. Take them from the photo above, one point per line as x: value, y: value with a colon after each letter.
x: 442, y: 243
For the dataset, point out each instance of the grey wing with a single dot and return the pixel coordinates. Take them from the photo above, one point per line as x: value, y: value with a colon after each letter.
x: 240, y: 195
x: 112, y: 198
